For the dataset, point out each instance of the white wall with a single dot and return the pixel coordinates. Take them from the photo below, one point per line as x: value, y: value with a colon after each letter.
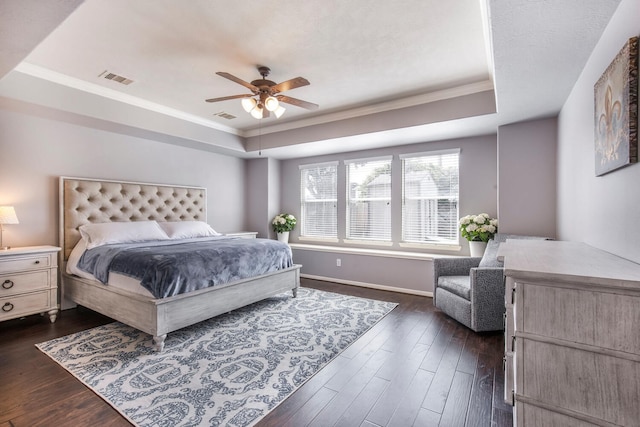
x: 601, y: 211
x: 527, y: 178
x: 35, y: 151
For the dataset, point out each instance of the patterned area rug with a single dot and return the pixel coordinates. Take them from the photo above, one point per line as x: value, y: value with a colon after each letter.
x: 227, y: 371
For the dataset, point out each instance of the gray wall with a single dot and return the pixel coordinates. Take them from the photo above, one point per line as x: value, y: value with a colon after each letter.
x: 601, y: 211
x: 527, y: 178
x: 257, y: 196
x: 478, y: 193
x: 263, y: 195
x: 34, y: 151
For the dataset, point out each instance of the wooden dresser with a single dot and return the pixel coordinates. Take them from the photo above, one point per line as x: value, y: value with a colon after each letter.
x: 29, y: 282
x: 572, y: 337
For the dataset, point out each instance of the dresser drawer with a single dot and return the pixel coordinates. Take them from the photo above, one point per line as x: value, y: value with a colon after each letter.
x: 16, y: 306
x: 600, y: 318
x: 25, y: 263
x: 11, y: 284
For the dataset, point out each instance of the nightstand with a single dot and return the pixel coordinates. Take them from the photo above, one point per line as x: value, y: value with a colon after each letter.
x: 243, y: 234
x: 29, y: 282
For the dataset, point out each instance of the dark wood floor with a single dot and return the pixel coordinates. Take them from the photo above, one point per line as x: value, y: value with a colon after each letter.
x: 415, y: 367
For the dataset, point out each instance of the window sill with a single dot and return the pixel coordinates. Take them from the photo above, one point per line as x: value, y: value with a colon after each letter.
x: 318, y: 239
x: 368, y: 252
x: 367, y: 242
x: 432, y: 247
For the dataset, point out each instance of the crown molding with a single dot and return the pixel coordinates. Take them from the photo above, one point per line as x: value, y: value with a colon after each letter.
x: 74, y: 83
x: 411, y: 101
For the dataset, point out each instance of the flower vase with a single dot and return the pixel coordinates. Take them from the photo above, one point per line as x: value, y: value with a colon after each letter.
x: 283, y: 236
x: 477, y: 247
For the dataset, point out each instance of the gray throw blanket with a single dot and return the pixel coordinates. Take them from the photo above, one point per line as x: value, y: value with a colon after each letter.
x: 168, y: 268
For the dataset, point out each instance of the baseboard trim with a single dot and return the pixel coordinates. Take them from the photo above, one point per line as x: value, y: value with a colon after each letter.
x: 369, y: 285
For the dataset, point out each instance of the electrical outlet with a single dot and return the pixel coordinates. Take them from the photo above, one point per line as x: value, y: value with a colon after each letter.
x: 338, y: 262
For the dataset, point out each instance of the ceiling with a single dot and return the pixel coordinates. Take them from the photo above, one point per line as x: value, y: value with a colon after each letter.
x: 366, y: 61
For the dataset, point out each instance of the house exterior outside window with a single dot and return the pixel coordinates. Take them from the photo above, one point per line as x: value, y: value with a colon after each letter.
x: 318, y: 200
x: 430, y: 194
x: 369, y: 199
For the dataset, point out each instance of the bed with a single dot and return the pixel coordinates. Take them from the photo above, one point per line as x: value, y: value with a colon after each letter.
x: 89, y: 201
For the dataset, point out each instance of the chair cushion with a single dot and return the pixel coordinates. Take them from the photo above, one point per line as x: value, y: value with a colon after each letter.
x: 457, y: 285
x: 490, y: 257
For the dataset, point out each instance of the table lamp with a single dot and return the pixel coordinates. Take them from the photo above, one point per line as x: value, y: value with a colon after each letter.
x: 7, y: 216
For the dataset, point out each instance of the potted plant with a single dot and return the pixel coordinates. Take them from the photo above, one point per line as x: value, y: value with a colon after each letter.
x: 478, y: 230
x: 282, y: 224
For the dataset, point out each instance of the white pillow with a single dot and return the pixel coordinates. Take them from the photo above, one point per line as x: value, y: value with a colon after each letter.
x: 121, y: 232
x: 187, y: 229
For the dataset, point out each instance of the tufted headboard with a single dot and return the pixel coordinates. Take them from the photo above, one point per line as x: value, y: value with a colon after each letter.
x: 85, y: 201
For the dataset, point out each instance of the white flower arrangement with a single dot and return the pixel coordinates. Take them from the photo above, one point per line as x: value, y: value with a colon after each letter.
x: 283, y: 222
x: 478, y: 228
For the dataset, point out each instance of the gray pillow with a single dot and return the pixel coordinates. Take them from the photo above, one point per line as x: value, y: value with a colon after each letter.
x: 490, y: 257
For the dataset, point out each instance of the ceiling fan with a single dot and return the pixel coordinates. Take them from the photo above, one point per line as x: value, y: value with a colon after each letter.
x: 265, y: 94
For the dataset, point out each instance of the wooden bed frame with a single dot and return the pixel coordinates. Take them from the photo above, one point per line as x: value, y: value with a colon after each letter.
x: 85, y: 201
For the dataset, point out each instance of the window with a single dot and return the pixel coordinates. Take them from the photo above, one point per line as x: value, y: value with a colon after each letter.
x: 319, y: 197
x: 430, y: 197
x: 369, y: 199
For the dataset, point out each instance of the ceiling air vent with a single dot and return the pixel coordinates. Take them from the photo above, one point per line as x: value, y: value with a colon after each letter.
x: 225, y: 115
x: 116, y: 78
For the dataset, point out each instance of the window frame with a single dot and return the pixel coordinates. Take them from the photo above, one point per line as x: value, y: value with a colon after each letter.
x: 435, y: 241
x: 304, y: 201
x: 349, y: 236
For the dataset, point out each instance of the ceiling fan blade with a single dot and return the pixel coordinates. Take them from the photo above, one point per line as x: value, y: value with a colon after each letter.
x: 239, y: 81
x: 224, y: 98
x: 290, y: 84
x: 297, y: 102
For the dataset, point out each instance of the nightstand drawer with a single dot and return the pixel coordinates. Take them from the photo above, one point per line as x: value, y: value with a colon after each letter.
x: 25, y: 263
x: 24, y: 282
x: 12, y: 307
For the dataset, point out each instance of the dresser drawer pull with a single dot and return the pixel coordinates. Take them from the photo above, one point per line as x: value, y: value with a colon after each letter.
x: 8, y: 284
x: 7, y: 307
x: 37, y: 261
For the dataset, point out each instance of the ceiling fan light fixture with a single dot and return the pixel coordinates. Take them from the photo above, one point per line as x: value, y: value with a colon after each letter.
x: 271, y: 103
x: 265, y: 95
x: 249, y: 104
x: 279, y: 111
x: 256, y: 113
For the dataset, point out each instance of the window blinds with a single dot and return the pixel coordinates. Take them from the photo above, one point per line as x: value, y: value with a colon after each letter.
x: 319, y: 197
x: 369, y: 199
x: 430, y: 183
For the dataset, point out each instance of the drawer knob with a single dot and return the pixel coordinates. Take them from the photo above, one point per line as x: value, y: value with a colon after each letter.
x: 8, y: 284
x: 7, y: 307
x: 37, y: 261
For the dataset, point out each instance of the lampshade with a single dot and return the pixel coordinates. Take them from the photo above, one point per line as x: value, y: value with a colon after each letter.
x: 8, y: 215
x: 249, y: 104
x: 256, y: 108
x: 271, y: 103
x: 279, y: 111
x: 257, y: 113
